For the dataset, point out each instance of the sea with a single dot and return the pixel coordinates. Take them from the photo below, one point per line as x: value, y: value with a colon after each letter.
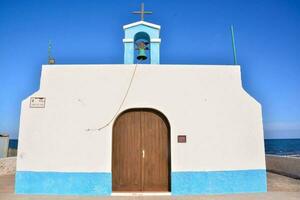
x: 283, y: 147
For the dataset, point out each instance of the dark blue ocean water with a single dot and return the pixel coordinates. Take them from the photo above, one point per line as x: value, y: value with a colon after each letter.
x: 282, y: 146
x: 13, y: 144
x: 272, y: 146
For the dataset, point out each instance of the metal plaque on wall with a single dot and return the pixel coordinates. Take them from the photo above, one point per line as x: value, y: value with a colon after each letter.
x: 181, y: 138
x: 37, y: 102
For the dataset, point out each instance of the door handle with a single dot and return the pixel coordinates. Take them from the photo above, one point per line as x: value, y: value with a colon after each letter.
x: 143, y: 153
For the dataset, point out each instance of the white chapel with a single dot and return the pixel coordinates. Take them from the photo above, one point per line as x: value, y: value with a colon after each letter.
x: 140, y: 127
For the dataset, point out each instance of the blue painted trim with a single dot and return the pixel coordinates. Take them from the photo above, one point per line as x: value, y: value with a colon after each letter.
x: 63, y: 183
x: 182, y: 183
x: 154, y: 51
x: 218, y: 182
x: 129, y: 53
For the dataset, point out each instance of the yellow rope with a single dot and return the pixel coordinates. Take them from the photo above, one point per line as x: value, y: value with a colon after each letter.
x: 123, y: 101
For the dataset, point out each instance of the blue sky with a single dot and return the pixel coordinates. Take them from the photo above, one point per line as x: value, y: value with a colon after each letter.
x: 193, y: 32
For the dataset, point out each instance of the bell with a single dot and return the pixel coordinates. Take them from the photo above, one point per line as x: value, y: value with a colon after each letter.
x: 141, y: 54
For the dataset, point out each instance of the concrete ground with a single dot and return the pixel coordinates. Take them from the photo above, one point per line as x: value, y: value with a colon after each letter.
x: 279, y: 188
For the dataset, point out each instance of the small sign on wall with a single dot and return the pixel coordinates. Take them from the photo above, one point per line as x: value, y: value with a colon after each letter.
x: 37, y: 102
x: 181, y: 138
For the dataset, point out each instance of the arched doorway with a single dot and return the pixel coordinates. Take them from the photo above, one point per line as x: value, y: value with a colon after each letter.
x: 141, y: 152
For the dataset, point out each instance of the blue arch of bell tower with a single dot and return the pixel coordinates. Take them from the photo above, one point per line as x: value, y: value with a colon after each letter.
x: 140, y: 28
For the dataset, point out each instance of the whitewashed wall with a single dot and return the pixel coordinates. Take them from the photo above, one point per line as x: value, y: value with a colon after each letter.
x: 222, y: 122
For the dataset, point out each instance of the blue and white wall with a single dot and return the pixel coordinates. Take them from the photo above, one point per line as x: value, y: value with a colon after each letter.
x: 224, y: 152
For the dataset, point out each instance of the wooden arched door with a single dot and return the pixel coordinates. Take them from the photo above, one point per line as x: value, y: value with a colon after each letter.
x: 141, y: 152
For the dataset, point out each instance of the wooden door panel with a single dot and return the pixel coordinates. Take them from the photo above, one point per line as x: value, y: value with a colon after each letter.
x: 133, y: 132
x: 126, y: 163
x: 155, y: 165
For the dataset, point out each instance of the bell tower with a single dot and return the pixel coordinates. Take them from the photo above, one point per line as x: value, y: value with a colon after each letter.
x: 141, y: 41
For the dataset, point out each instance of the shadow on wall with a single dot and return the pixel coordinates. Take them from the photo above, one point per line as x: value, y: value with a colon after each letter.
x: 8, y: 148
x: 12, y: 148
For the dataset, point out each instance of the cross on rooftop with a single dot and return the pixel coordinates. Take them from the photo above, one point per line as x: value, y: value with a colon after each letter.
x: 142, y: 12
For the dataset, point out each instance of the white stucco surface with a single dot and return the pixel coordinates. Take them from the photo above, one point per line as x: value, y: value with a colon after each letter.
x: 207, y: 103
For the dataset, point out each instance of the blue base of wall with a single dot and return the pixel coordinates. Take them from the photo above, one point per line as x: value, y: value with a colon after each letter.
x: 182, y: 183
x: 218, y: 182
x: 61, y: 183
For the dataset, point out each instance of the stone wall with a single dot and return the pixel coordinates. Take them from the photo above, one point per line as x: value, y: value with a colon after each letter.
x: 12, y: 152
x: 7, y: 166
x: 288, y: 166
